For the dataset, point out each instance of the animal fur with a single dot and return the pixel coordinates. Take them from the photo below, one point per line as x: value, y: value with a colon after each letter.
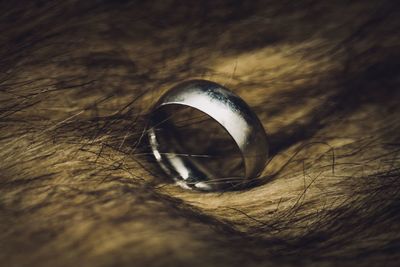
x: 78, y: 186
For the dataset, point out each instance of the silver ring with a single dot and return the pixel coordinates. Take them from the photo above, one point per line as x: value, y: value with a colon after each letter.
x: 229, y: 111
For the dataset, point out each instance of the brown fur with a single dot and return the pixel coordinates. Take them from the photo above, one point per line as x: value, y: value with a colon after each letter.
x: 77, y: 183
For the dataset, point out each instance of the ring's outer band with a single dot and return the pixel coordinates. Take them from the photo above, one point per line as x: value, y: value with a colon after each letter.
x: 226, y: 108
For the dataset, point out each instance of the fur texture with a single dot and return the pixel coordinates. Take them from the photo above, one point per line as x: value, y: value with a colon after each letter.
x: 78, y: 185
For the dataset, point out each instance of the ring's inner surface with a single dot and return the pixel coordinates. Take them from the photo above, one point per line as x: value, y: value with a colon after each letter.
x: 195, y: 149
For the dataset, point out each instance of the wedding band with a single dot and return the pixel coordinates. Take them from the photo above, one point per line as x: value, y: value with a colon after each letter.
x: 229, y: 111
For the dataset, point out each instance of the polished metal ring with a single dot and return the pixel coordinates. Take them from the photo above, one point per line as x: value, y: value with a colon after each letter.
x: 229, y: 111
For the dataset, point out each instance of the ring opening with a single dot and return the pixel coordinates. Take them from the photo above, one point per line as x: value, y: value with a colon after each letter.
x: 194, y: 149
